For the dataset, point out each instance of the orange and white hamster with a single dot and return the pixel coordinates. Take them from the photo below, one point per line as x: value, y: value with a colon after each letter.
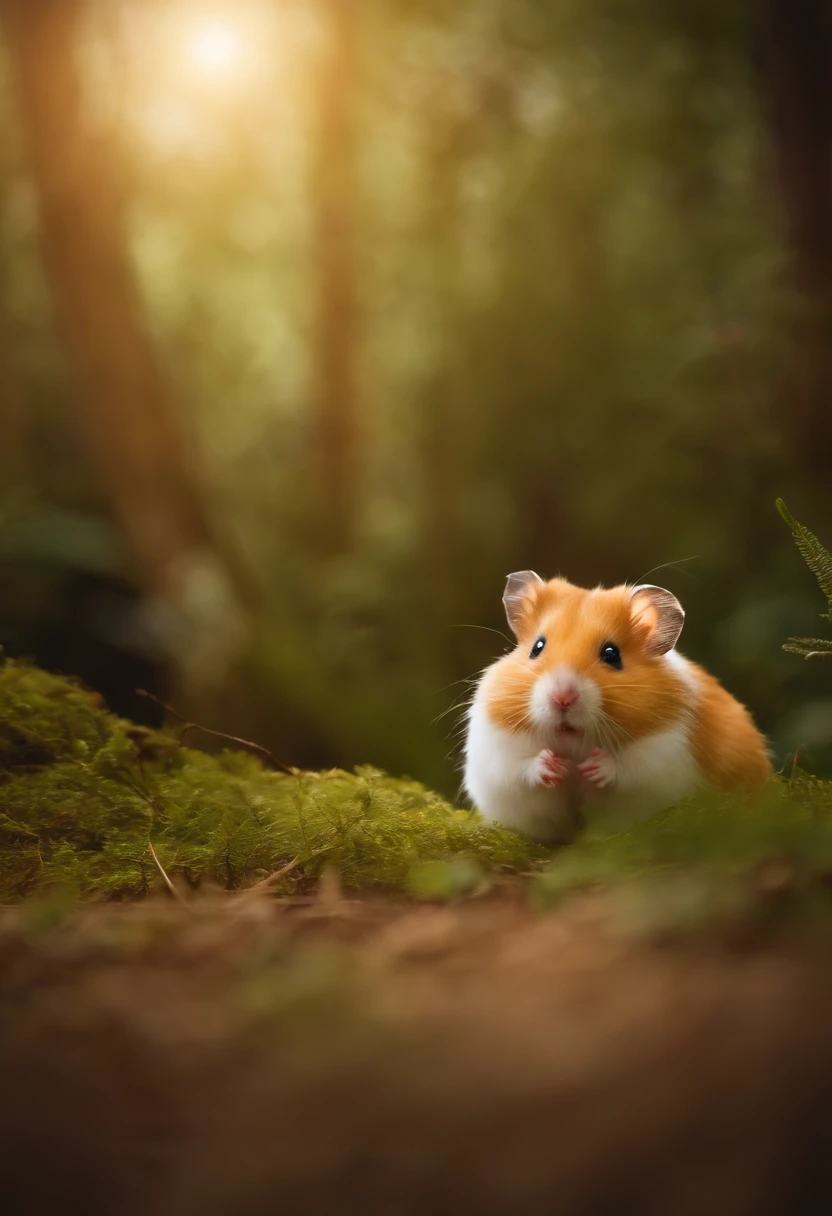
x: 595, y: 714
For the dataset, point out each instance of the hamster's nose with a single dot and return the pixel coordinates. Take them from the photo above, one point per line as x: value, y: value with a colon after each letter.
x: 564, y: 699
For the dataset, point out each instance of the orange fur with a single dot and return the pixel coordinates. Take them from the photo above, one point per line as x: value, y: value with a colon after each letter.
x: 728, y: 748
x: 647, y: 696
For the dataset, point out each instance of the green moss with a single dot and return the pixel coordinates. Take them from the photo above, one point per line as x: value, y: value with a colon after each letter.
x: 705, y: 843
x: 83, y: 793
x: 446, y: 880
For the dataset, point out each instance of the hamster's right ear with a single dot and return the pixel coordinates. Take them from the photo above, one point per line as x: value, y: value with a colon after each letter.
x: 658, y: 616
x: 519, y: 596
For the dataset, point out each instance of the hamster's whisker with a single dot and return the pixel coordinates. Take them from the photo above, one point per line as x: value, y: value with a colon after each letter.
x: 626, y: 704
x: 624, y: 698
x: 669, y: 566
x: 464, y: 700
x: 649, y: 714
x: 472, y: 679
x: 601, y: 728
x: 488, y: 629
x: 609, y: 742
x: 613, y: 743
x: 613, y: 730
x: 455, y: 738
x: 459, y: 704
x: 518, y: 722
x: 631, y: 687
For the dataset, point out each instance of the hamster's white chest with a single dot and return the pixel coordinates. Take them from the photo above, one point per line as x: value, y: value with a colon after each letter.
x: 509, y: 783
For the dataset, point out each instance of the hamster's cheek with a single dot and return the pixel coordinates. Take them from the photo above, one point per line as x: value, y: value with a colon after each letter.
x: 640, y: 699
x: 539, y: 700
x: 507, y: 693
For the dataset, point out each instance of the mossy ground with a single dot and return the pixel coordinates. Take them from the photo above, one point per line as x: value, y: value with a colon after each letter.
x: 86, y: 798
x: 714, y: 860
x: 84, y: 795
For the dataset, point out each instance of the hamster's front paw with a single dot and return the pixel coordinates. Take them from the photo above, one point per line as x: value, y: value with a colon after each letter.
x: 548, y: 768
x: 599, y: 769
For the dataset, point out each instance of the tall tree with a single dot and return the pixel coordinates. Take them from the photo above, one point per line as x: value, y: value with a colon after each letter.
x: 123, y: 404
x: 334, y: 434
x: 11, y: 415
x: 795, y: 38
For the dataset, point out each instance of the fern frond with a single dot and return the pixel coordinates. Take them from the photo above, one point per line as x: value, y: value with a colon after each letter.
x: 816, y: 556
x: 809, y: 648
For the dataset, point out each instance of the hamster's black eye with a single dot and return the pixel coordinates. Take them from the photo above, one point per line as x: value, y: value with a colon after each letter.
x: 611, y: 655
x: 536, y: 649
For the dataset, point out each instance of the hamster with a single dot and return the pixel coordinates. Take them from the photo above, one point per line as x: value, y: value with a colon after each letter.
x: 596, y: 717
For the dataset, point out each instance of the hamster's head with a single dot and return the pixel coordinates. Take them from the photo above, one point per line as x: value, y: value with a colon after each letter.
x: 590, y: 667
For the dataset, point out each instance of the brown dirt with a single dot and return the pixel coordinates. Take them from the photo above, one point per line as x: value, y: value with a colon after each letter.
x: 324, y: 1056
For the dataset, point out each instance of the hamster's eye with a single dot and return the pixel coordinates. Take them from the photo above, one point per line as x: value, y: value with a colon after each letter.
x: 611, y: 655
x: 537, y: 648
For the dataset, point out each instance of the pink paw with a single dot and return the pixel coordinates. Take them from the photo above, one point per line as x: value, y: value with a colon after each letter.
x: 549, y: 768
x: 599, y: 769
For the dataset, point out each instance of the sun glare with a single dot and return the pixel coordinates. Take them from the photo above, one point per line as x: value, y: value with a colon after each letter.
x: 215, y: 48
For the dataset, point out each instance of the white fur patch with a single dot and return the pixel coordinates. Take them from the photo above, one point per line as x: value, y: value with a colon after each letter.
x: 501, y: 776
x: 682, y: 668
x: 565, y: 680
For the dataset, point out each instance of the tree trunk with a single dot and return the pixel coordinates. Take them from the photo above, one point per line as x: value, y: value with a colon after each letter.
x: 334, y: 352
x: 11, y: 412
x: 122, y: 402
x: 795, y: 43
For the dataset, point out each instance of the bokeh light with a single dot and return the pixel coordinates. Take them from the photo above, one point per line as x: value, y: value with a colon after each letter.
x: 215, y: 48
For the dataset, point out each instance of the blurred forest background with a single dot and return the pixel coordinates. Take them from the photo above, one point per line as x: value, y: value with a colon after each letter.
x: 318, y: 317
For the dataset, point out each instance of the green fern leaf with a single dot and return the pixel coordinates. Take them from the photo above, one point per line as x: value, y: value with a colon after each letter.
x: 817, y: 558
x: 809, y: 648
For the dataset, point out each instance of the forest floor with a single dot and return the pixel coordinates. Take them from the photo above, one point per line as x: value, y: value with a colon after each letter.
x: 632, y: 1024
x: 326, y: 1054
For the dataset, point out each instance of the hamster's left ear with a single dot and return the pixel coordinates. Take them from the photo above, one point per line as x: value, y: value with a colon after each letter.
x: 658, y: 615
x: 519, y: 596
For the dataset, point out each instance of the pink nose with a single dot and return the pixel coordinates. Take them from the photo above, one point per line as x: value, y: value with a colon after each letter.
x: 564, y: 700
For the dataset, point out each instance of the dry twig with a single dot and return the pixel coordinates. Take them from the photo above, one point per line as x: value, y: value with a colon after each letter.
x: 217, y: 734
x: 260, y: 888
x: 168, y: 882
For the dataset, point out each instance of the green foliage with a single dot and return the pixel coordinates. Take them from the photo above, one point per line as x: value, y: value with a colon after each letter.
x: 45, y: 719
x: 712, y: 858
x: 443, y: 880
x: 819, y: 560
x: 83, y: 793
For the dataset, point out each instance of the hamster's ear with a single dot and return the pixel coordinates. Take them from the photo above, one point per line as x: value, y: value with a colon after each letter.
x: 519, y: 596
x: 658, y: 615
